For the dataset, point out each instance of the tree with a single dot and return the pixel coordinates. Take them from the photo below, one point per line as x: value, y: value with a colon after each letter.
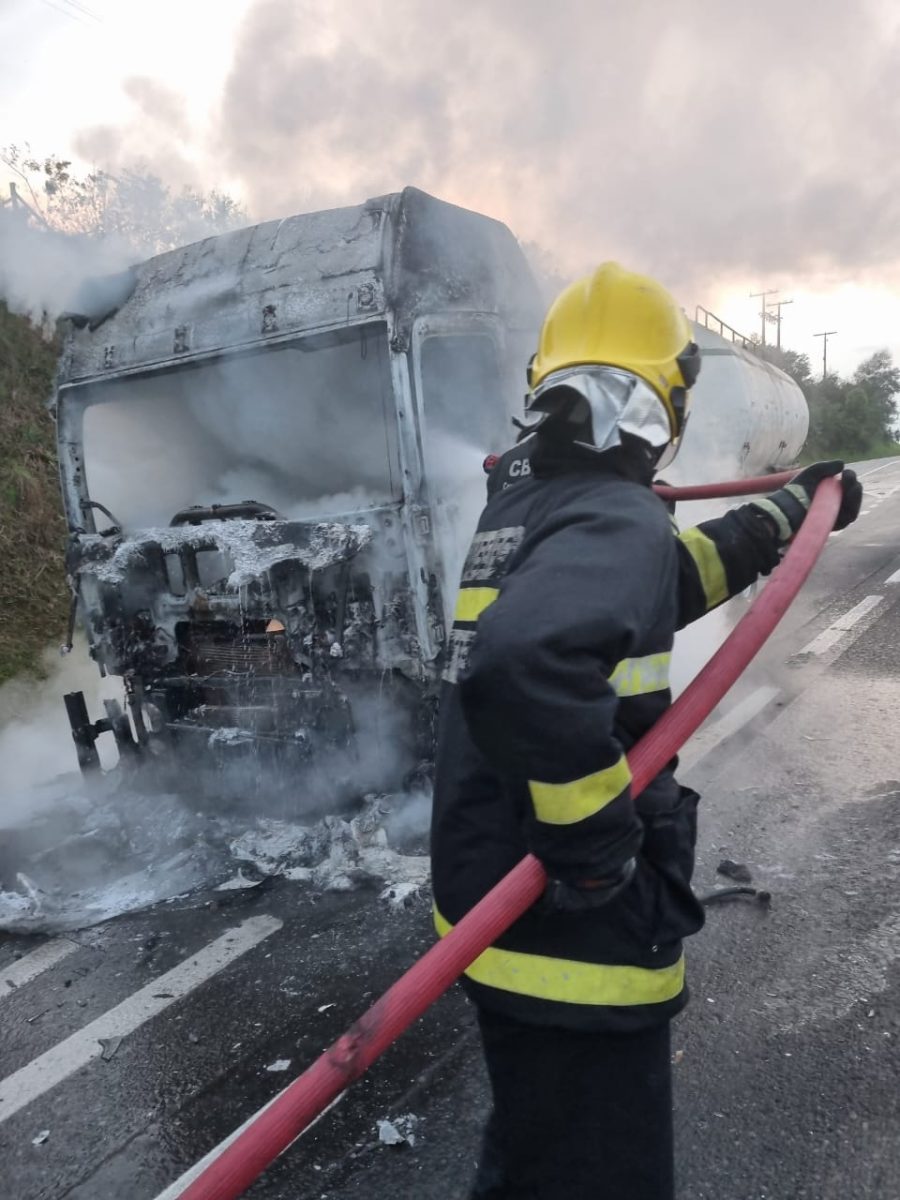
x: 880, y: 380
x: 132, y: 205
x: 852, y: 418
x: 793, y: 364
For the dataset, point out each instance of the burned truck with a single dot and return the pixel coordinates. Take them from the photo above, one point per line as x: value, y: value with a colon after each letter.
x: 271, y: 456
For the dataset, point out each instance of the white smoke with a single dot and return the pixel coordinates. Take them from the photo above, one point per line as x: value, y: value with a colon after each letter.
x: 37, y: 755
x: 44, y: 274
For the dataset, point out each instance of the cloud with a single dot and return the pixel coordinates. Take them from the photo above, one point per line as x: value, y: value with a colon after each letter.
x: 701, y: 141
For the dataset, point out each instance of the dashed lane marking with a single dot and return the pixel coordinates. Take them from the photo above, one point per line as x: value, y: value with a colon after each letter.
x: 75, y: 1052
x: 180, y: 1186
x: 19, y: 973
x: 708, y: 739
x: 176, y: 1189
x: 895, y: 578
x: 837, y: 629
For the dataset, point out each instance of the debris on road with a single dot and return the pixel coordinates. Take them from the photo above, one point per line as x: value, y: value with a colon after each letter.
x: 762, y: 898
x: 110, y: 1046
x: 401, y: 895
x: 736, y: 871
x: 41, y: 1138
x: 335, y: 854
x: 400, y: 1131
x: 280, y: 1064
x: 238, y: 883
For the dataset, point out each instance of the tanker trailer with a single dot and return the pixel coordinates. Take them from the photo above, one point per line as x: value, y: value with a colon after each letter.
x: 747, y: 417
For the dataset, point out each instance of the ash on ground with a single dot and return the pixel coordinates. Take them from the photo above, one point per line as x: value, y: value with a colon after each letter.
x: 92, y: 855
x: 338, y: 854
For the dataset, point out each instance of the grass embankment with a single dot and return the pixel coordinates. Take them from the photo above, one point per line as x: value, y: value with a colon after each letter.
x: 34, y: 598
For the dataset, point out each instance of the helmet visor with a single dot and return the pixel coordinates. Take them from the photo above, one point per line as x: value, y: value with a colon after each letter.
x: 619, y: 402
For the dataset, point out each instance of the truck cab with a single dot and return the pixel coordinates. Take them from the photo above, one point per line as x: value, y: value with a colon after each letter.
x: 271, y: 465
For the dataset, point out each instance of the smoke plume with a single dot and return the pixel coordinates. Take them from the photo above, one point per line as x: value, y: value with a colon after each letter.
x: 698, y: 143
x: 44, y: 274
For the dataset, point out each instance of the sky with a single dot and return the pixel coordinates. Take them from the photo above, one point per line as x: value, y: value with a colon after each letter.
x: 723, y: 147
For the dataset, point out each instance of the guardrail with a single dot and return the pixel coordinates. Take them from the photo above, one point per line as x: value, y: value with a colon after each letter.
x: 709, y: 320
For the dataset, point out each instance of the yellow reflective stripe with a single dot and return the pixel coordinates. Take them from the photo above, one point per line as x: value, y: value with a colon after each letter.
x: 568, y: 981
x: 710, y: 567
x: 566, y: 803
x: 640, y: 676
x: 471, y: 602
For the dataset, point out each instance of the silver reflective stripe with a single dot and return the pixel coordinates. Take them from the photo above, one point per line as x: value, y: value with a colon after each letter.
x: 641, y: 676
x: 776, y: 513
x: 458, y: 659
x: 490, y: 552
x: 800, y: 494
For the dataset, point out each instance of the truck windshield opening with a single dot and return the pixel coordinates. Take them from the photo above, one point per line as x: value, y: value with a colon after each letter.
x: 307, y: 427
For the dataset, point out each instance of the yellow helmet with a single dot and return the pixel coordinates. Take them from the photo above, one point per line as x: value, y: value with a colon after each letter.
x: 621, y: 341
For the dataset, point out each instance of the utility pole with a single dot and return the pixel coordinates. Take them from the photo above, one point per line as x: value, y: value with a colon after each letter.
x: 825, y: 336
x: 762, y: 296
x: 779, y: 305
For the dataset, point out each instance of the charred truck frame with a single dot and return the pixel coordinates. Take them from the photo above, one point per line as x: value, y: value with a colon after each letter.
x: 264, y: 448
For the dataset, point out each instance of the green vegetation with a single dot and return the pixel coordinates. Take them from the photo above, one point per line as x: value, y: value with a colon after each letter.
x: 852, y: 419
x: 133, y: 205
x: 130, y: 208
x: 34, y: 599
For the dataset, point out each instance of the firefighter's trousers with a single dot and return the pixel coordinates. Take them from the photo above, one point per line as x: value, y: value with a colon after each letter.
x: 577, y: 1115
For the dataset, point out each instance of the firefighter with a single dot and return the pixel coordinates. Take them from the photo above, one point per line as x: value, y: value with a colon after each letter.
x: 573, y: 588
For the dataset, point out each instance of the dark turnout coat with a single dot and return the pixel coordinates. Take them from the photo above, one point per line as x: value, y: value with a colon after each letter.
x: 574, y: 586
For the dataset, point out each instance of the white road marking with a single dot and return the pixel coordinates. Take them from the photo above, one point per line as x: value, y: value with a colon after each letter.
x: 836, y: 630
x: 895, y: 578
x: 894, y: 462
x: 42, y: 959
x: 707, y: 740
x: 174, y: 1190
x: 180, y: 1186
x: 76, y: 1051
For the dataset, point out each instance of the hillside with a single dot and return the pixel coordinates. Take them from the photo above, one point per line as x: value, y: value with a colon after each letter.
x: 33, y: 595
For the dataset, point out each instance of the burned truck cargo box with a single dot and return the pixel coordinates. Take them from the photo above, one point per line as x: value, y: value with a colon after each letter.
x: 271, y: 464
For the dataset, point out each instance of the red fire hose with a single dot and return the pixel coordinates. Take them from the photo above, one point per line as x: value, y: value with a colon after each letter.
x: 284, y: 1119
x: 715, y: 491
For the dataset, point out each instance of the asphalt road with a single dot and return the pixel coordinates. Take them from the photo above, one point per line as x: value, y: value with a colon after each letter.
x: 130, y: 1050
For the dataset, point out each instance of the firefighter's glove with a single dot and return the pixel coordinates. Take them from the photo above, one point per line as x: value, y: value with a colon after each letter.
x: 586, y: 894
x: 786, y: 509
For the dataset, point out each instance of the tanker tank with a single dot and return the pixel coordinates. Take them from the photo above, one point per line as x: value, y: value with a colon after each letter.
x: 747, y: 417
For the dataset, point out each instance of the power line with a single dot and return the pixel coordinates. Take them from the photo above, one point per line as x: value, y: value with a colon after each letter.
x: 66, y: 12
x: 83, y: 8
